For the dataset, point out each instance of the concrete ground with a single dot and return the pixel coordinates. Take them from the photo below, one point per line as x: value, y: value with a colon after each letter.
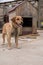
x: 30, y: 52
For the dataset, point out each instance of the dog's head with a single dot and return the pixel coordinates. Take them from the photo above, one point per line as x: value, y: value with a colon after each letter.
x: 17, y: 20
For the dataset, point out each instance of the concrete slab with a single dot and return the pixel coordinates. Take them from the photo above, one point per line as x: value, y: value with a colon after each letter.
x: 30, y: 53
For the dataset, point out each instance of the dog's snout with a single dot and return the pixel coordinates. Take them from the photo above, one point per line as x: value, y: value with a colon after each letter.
x: 21, y: 23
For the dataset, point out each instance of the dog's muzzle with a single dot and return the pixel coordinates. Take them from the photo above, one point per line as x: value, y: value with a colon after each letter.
x: 21, y: 23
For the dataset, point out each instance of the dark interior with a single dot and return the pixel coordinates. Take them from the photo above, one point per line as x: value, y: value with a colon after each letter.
x: 1, y: 24
x: 27, y: 21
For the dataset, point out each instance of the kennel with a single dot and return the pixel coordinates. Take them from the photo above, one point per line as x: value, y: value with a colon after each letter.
x: 29, y: 14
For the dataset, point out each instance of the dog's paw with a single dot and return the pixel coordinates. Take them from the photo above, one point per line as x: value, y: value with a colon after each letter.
x: 2, y: 44
x: 18, y: 47
x: 9, y: 48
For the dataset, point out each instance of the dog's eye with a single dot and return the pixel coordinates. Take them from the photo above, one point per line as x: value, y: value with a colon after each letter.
x: 18, y: 19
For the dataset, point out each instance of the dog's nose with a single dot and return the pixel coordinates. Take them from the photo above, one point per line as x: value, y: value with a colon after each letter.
x: 21, y: 23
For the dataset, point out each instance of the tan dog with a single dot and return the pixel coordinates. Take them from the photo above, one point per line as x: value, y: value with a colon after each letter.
x: 9, y: 27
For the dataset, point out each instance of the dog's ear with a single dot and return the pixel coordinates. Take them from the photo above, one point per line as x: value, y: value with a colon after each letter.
x: 13, y: 19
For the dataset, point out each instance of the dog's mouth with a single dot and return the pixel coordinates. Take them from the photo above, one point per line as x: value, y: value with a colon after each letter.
x: 18, y: 24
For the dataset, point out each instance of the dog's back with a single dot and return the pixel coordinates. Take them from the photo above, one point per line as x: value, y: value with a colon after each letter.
x: 7, y: 28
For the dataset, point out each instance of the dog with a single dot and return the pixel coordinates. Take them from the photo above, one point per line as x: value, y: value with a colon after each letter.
x: 9, y: 27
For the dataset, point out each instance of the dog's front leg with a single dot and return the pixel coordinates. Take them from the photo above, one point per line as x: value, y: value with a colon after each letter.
x: 16, y: 37
x: 16, y: 41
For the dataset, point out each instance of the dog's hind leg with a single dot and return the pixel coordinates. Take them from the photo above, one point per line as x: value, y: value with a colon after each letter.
x: 9, y: 40
x: 3, y: 36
